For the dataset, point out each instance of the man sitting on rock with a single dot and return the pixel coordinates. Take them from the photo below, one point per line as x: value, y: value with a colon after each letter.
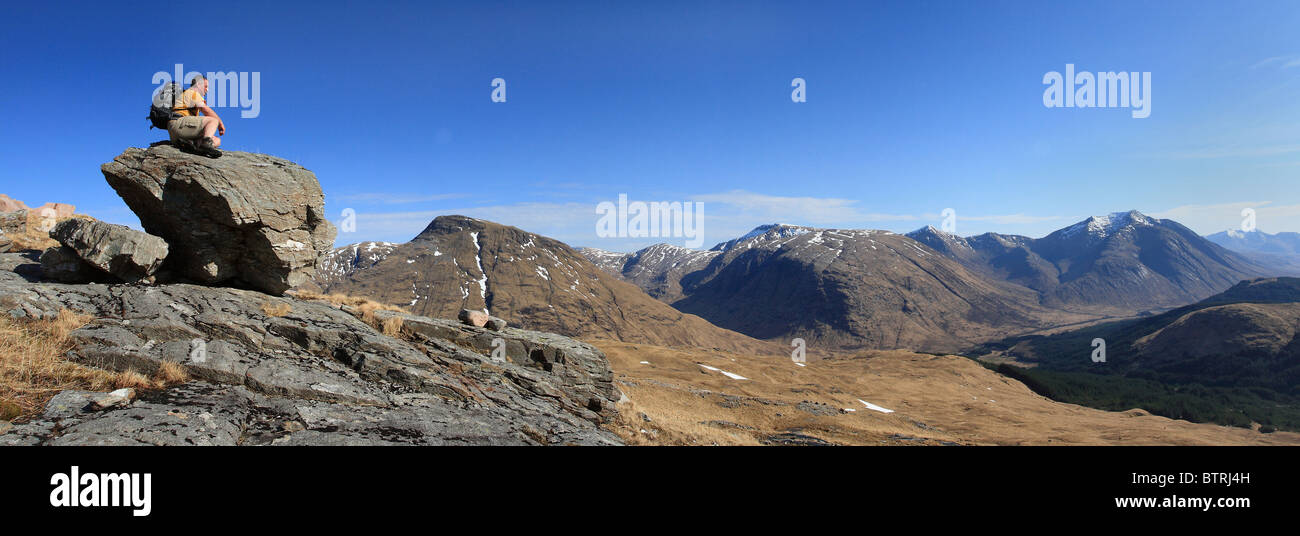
x: 191, y: 132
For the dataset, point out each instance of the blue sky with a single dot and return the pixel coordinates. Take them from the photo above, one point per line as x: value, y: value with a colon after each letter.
x: 912, y: 107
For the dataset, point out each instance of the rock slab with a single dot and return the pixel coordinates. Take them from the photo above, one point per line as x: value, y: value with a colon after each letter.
x: 245, y: 219
x: 128, y: 254
x: 314, y: 376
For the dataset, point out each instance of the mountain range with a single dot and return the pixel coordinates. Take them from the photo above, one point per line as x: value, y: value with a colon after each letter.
x: 929, y: 289
x: 1281, y: 251
x: 1123, y: 262
x: 533, y: 281
x: 838, y: 289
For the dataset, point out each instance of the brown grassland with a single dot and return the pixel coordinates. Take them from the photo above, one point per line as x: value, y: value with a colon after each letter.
x: 33, y: 367
x: 937, y: 400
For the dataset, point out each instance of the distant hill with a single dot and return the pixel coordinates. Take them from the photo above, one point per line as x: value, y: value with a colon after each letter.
x: 1279, y: 252
x: 1258, y: 241
x: 657, y: 269
x: 1125, y: 261
x: 532, y: 281
x: 1238, y: 350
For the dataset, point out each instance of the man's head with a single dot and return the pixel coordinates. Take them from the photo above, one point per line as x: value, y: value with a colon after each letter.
x: 200, y: 84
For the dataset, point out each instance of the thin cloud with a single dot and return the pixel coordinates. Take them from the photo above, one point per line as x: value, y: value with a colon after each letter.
x: 1283, y: 62
x: 823, y: 211
x: 1001, y: 219
x: 562, y: 221
x: 1209, y: 219
x: 396, y: 199
x: 1234, y: 152
x: 1268, y: 61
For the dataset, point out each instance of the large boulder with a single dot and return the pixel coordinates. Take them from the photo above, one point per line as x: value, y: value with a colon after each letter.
x: 63, y: 264
x: 243, y: 219
x: 117, y: 249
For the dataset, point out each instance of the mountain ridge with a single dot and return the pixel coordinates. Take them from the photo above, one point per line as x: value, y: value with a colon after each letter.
x: 530, y: 280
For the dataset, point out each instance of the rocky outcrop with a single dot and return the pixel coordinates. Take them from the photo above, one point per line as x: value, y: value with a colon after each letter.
x: 13, y: 223
x: 576, y: 373
x: 125, y: 253
x: 62, y: 264
x: 245, y: 219
x: 309, y: 376
x: 55, y: 210
x: 27, y: 229
x: 9, y: 204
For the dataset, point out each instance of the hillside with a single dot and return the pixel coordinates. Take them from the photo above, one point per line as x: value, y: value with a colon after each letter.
x: 530, y: 280
x: 1236, y: 352
x: 933, y: 399
x: 658, y: 269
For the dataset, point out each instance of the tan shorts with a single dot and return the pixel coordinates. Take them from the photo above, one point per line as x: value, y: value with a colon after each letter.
x: 188, y: 127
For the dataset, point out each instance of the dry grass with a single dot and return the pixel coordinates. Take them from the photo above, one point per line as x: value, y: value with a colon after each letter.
x: 363, y: 308
x: 32, y: 367
x: 32, y: 238
x: 671, y: 424
x: 936, y: 400
x: 393, y: 326
x: 171, y: 373
x: 276, y: 308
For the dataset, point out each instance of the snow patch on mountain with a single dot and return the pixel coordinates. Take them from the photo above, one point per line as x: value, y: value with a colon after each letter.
x: 1100, y: 227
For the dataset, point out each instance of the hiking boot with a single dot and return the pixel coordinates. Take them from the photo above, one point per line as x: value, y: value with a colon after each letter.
x: 185, y: 145
x: 206, y: 148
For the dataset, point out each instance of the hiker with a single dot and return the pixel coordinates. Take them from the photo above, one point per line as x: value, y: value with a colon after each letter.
x: 193, y: 132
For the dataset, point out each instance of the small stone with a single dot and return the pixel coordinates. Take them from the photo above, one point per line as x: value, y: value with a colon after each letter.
x: 473, y: 318
x: 118, y: 398
x: 496, y: 324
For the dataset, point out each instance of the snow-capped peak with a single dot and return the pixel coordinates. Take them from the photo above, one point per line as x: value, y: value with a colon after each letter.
x: 1103, y: 226
x: 765, y: 232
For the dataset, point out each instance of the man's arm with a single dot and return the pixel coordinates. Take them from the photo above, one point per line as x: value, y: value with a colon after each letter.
x: 221, y: 125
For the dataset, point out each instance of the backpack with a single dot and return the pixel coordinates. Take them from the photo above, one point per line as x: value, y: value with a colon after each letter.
x: 162, y: 110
